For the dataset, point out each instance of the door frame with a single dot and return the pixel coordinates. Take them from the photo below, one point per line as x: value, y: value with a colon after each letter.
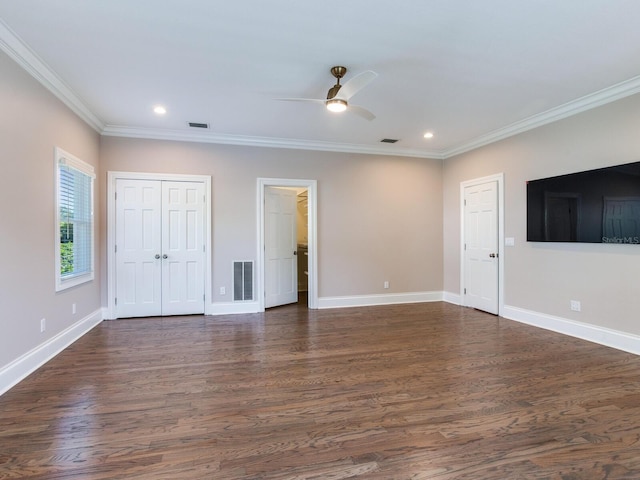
x: 112, y: 177
x: 312, y: 235
x: 499, y: 178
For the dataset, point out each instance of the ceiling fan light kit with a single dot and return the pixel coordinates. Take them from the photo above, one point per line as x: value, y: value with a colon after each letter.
x: 338, y: 96
x: 336, y: 105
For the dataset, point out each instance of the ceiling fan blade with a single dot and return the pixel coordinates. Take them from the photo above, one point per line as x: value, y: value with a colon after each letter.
x: 361, y: 111
x: 355, y: 84
x: 313, y: 100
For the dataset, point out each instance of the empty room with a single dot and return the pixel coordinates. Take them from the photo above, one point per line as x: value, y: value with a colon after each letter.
x: 285, y: 240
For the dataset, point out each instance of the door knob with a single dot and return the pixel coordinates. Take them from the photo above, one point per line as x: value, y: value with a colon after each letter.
x: 492, y: 255
x: 157, y: 256
x: 164, y: 256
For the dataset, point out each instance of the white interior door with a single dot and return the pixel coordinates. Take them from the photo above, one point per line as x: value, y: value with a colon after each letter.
x: 138, y: 248
x: 281, y: 267
x: 481, y: 246
x: 159, y: 248
x: 182, y: 248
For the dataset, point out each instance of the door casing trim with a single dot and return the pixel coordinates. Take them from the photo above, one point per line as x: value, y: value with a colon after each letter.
x: 112, y: 177
x: 499, y: 178
x: 312, y: 235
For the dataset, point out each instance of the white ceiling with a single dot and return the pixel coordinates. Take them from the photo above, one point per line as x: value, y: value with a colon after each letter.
x: 470, y: 71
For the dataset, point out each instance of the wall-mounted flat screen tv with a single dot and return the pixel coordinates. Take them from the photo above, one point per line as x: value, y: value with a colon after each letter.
x: 595, y: 206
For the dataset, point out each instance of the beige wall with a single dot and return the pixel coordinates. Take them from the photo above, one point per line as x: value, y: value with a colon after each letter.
x: 545, y: 277
x: 379, y: 218
x: 32, y: 123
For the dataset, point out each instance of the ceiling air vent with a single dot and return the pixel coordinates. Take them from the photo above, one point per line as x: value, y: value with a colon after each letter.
x: 198, y: 125
x: 389, y: 140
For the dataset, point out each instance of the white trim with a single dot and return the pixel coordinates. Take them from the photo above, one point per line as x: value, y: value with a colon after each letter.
x: 267, y: 142
x: 499, y: 178
x: 111, y: 234
x: 452, y: 297
x: 20, y: 52
x: 312, y: 235
x: 20, y: 368
x: 593, y: 100
x: 232, y: 308
x: 372, y: 300
x: 65, y: 158
x: 593, y: 333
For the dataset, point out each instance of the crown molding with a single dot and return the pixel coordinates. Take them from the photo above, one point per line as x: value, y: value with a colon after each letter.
x: 11, y: 44
x: 582, y: 104
x: 268, y: 142
x: 21, y: 53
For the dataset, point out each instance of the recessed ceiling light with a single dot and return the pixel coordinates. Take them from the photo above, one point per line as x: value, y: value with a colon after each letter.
x: 428, y: 135
x: 159, y: 110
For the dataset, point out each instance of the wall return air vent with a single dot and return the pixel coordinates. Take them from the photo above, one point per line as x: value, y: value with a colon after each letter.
x: 389, y: 140
x: 242, y: 281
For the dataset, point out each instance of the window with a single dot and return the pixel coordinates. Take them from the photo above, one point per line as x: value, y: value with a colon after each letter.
x: 74, y: 220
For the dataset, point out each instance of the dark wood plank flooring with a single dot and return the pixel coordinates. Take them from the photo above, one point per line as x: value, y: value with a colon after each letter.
x: 425, y: 391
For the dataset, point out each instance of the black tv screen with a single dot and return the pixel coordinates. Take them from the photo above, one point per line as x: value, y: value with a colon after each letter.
x: 595, y: 206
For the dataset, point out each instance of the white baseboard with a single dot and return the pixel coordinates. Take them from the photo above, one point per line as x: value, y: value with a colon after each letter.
x: 604, y: 336
x: 451, y: 297
x: 229, y: 308
x: 20, y: 368
x: 386, y: 299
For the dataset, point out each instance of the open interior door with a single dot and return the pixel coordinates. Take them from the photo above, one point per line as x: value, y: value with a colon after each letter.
x: 280, y: 233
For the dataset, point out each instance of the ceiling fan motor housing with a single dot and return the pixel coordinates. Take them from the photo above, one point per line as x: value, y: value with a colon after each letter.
x: 333, y: 91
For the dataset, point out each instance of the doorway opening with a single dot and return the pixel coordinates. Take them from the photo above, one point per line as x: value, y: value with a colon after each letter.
x: 287, y: 242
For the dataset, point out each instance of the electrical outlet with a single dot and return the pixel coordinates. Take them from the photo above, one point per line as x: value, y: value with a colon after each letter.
x: 223, y: 290
x: 43, y: 325
x: 73, y: 308
x: 386, y: 284
x: 575, y: 305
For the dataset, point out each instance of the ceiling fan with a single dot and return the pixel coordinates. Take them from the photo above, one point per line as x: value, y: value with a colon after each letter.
x: 338, y: 96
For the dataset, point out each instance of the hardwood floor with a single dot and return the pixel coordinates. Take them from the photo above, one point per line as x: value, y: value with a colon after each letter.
x: 425, y: 391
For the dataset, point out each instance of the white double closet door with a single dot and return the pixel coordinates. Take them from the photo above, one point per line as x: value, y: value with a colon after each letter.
x: 160, y: 247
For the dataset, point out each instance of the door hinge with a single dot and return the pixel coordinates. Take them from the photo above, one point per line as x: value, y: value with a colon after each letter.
x: 115, y: 248
x: 465, y: 291
x: 465, y: 246
x: 115, y: 196
x: 465, y: 202
x: 116, y: 300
